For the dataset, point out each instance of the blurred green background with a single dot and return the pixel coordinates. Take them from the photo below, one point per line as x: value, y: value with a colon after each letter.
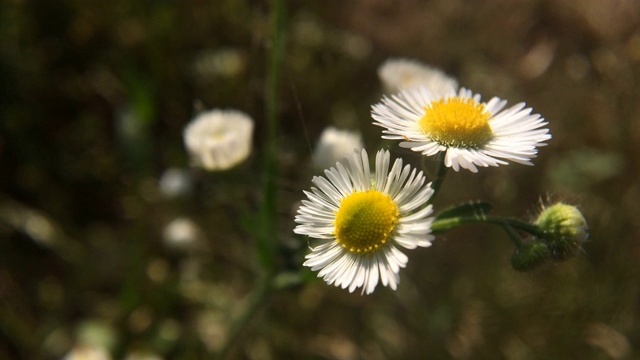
x: 95, y: 95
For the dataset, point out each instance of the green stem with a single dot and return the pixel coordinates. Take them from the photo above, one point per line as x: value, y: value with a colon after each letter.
x: 513, y: 235
x: 268, y: 209
x: 443, y: 225
x: 441, y: 172
x: 266, y: 244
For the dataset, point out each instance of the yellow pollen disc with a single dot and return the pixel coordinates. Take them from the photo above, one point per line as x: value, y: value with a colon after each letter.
x: 365, y: 221
x: 457, y: 122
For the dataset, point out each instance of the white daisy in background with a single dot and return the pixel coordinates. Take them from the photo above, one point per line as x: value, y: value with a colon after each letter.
x: 175, y: 182
x: 224, y: 62
x: 181, y: 234
x: 402, y: 74
x: 142, y: 355
x: 471, y: 132
x: 334, y: 145
x: 362, y: 220
x: 219, y: 139
x: 87, y: 352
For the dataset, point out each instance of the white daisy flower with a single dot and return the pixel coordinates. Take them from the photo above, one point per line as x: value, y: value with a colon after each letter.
x: 362, y: 219
x: 471, y: 132
x: 402, y: 74
x: 334, y: 145
x: 181, y: 233
x: 219, y: 139
x: 87, y: 352
x: 175, y: 182
x: 227, y: 62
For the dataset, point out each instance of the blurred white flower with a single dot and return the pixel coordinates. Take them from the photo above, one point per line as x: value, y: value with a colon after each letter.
x: 95, y: 338
x: 228, y: 62
x: 334, y: 145
x: 87, y: 352
x: 219, y: 139
x: 175, y: 182
x: 142, y: 355
x: 181, y: 233
x: 401, y: 74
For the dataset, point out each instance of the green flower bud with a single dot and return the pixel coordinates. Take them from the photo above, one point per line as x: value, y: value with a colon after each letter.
x: 530, y: 255
x: 565, y: 229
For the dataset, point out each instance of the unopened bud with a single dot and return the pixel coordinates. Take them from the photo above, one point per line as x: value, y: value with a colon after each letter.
x: 530, y: 255
x: 565, y: 229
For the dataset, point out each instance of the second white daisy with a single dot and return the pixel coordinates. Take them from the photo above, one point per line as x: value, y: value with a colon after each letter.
x: 219, y: 139
x: 471, y: 132
x: 334, y: 145
x: 402, y: 74
x: 361, y: 221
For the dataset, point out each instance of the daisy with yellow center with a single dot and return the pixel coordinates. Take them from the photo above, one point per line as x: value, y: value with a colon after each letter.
x: 362, y: 219
x: 471, y: 132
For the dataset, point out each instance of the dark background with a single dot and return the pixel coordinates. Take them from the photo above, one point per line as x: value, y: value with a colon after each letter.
x: 94, y: 96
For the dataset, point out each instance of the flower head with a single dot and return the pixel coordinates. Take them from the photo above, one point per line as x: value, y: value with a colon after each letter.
x: 226, y: 62
x: 219, y: 139
x: 334, y: 145
x: 565, y: 229
x: 401, y: 74
x: 175, y: 182
x: 181, y: 233
x: 530, y: 255
x: 361, y: 219
x: 87, y: 352
x: 471, y: 132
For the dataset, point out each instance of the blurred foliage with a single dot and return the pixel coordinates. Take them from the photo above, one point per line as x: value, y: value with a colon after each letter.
x: 94, y: 97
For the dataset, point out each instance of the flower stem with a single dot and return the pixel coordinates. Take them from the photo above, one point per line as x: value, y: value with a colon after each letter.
x: 443, y: 225
x: 513, y: 235
x: 267, y: 214
x: 441, y: 172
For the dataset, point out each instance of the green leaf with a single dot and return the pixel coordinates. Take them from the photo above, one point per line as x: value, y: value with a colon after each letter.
x: 472, y: 208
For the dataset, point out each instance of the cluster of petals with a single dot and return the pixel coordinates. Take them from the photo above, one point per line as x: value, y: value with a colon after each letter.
x: 517, y: 133
x: 316, y: 219
x: 219, y: 139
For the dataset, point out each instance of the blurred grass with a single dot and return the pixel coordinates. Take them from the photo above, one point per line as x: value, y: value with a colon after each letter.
x: 94, y: 97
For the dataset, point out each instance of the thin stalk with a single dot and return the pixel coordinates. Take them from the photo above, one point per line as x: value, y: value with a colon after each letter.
x: 441, y: 172
x: 267, y: 214
x: 513, y: 235
x: 443, y: 225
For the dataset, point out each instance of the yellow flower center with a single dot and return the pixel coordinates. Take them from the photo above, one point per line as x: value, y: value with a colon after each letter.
x: 365, y: 221
x: 457, y: 122
x: 220, y: 133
